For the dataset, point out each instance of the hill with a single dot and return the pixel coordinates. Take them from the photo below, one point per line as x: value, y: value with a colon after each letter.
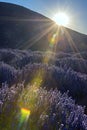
x: 22, y: 28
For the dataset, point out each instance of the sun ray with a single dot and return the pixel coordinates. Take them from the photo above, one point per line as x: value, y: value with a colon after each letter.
x: 30, y: 92
x: 72, y: 45
x: 13, y: 19
x: 36, y: 38
x: 70, y: 41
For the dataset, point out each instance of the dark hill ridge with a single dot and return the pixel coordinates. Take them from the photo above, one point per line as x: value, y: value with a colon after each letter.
x: 24, y: 29
x: 17, y: 11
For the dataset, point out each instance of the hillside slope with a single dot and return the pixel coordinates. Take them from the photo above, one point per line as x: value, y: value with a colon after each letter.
x: 24, y: 29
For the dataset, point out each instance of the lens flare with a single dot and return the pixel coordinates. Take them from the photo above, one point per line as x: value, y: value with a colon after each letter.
x: 52, y: 38
x: 29, y: 95
x: 25, y: 113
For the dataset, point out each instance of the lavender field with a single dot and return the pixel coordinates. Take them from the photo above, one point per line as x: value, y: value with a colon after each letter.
x: 43, y: 90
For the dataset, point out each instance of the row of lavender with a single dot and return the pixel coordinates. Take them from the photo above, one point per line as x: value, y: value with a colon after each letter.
x: 64, y: 72
x: 51, y: 110
x: 18, y: 59
x: 55, y: 77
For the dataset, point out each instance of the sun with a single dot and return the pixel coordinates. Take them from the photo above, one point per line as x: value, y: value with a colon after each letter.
x: 61, y: 19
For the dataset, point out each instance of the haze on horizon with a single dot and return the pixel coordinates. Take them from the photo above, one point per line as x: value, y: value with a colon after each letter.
x: 75, y: 9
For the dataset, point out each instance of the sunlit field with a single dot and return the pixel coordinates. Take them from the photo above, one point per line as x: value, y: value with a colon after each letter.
x: 40, y: 96
x: 43, y: 65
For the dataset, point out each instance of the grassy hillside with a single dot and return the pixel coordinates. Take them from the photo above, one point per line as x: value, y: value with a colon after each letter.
x: 24, y: 29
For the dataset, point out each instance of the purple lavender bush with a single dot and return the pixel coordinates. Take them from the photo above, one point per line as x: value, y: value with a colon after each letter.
x: 62, y: 71
x: 7, y: 73
x: 61, y: 78
x: 50, y: 109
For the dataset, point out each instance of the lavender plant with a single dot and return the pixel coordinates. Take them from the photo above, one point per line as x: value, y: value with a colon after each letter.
x: 49, y: 109
x: 7, y: 73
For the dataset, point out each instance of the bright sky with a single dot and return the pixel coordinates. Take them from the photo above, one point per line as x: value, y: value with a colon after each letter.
x: 75, y: 9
